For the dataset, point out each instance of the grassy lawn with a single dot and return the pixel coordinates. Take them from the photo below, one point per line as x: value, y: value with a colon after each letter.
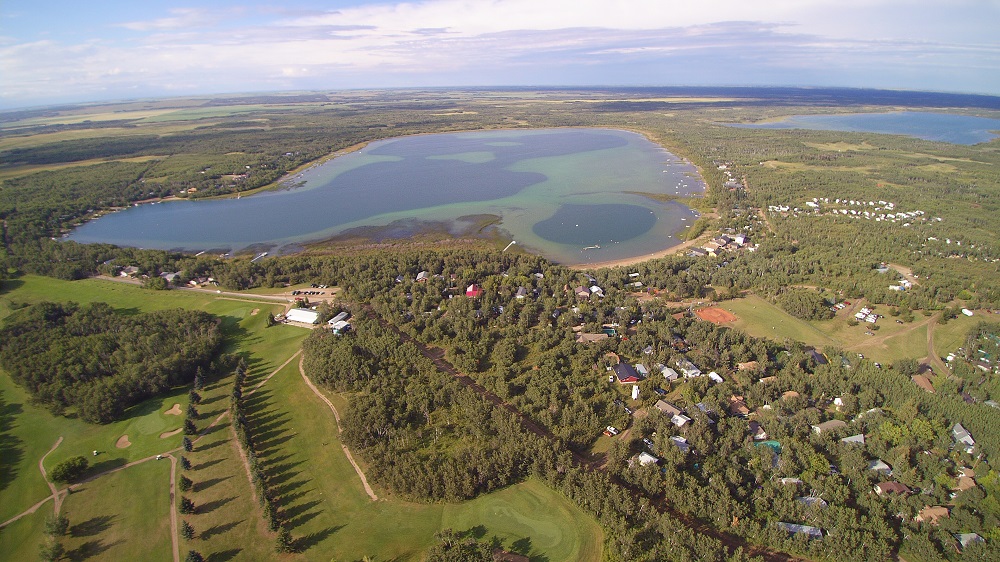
x: 135, y: 528
x: 21, y: 539
x: 332, y: 517
x: 891, y: 341
x: 760, y: 318
x: 950, y: 336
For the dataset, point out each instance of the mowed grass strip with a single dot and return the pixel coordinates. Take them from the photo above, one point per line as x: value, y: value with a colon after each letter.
x: 331, y: 517
x: 762, y: 319
x: 121, y: 516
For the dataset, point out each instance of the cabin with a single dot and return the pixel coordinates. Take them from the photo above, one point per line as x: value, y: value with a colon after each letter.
x: 626, y: 374
x: 646, y: 459
x: 339, y: 318
x: 923, y: 382
x: 812, y: 501
x: 858, y: 439
x: 681, y: 443
x: 340, y: 327
x: 829, y: 426
x: 795, y: 529
x: 963, y: 439
x: 667, y: 408
x: 680, y: 420
x: 878, y: 465
x: 966, y: 539
x: 590, y: 338
x: 423, y: 276
x: 931, y: 514
x: 130, y: 271
x: 669, y: 374
x: 582, y: 292
x: 883, y: 488
x: 737, y: 407
x: 688, y: 368
x: 473, y: 291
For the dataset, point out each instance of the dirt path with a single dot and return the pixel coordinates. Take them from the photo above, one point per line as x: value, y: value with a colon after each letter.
x: 55, y: 491
x: 932, y: 357
x: 336, y: 416
x: 268, y: 377
x: 173, y: 508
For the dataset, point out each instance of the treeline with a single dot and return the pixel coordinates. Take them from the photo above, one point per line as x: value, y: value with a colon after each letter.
x: 97, y: 361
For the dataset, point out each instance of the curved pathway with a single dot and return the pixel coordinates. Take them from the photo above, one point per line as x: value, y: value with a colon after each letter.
x: 347, y: 452
x: 41, y: 466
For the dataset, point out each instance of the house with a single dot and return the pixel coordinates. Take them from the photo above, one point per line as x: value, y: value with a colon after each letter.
x: 829, y: 426
x: 129, y: 271
x: 521, y: 293
x: 715, y: 377
x: 590, y: 338
x: 748, y: 366
x: 966, y: 539
x: 963, y: 439
x: 923, y: 382
x: 646, y: 459
x: 473, y: 291
x: 669, y: 374
x: 423, y: 276
x: 883, y: 488
x: 302, y: 315
x: 811, y: 501
x: 789, y: 394
x: 170, y: 276
x: 595, y: 290
x: 786, y: 481
x: 931, y: 514
x: 680, y: 420
x: 757, y: 432
x: 681, y: 443
x: 964, y: 483
x: 793, y: 529
x: 626, y: 374
x: 768, y: 379
x: 582, y: 292
x: 878, y: 465
x: 688, y: 368
x: 642, y: 370
x: 737, y: 407
x: 855, y: 439
x: 667, y: 408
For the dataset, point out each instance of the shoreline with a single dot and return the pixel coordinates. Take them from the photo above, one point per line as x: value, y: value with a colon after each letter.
x: 647, y: 257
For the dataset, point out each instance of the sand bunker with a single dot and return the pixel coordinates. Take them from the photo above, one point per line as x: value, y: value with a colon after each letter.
x: 123, y: 442
x: 166, y: 434
x: 254, y: 312
x: 175, y: 411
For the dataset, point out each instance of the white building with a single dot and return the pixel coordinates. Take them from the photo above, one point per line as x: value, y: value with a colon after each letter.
x: 302, y: 315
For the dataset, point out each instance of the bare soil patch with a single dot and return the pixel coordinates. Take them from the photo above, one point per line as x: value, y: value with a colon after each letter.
x: 175, y: 411
x: 715, y: 315
x: 123, y: 442
x: 166, y: 434
x: 254, y: 312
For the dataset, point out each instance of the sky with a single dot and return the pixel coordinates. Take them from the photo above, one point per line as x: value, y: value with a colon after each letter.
x: 73, y: 51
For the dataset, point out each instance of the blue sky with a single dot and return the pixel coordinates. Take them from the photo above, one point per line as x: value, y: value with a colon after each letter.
x: 67, y: 51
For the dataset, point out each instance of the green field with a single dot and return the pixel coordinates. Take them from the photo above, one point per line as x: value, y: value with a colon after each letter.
x: 334, y: 518
x: 322, y: 499
x: 890, y: 342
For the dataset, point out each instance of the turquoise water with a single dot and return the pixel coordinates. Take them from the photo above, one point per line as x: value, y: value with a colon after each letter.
x: 558, y: 192
x: 942, y: 127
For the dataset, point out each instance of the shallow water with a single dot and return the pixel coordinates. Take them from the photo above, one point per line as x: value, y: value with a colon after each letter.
x: 557, y: 192
x: 942, y: 127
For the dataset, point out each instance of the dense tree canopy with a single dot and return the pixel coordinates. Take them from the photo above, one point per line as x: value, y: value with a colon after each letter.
x: 100, y: 361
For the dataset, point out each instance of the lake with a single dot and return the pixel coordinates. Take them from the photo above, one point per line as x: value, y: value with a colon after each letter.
x: 941, y: 127
x: 571, y: 195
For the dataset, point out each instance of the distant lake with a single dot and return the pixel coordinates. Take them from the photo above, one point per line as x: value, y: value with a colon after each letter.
x: 558, y: 192
x: 942, y: 127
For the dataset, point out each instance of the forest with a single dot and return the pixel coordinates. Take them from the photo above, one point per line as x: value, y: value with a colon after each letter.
x: 96, y: 361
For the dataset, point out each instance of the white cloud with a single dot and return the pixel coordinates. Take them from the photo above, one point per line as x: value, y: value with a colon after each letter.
x: 522, y: 41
